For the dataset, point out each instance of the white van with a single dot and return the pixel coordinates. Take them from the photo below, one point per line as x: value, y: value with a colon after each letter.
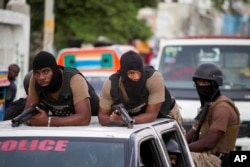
x: 178, y: 58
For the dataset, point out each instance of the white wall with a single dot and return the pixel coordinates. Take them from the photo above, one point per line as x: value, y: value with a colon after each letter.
x: 14, y: 44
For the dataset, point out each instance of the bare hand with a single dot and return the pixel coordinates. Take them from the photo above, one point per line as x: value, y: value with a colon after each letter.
x: 116, y: 118
x: 40, y: 119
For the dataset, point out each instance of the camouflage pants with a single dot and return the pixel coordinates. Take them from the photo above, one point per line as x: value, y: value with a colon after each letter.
x: 205, y: 160
x: 176, y: 114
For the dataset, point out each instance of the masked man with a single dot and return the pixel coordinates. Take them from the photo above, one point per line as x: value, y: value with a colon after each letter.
x: 140, y: 89
x: 63, y: 93
x: 216, y: 126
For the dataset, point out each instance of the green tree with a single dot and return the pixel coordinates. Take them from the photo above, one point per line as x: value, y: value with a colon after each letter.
x: 218, y: 4
x: 86, y: 20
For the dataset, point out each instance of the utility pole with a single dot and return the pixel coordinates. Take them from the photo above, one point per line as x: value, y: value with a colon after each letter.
x: 49, y: 26
x: 1, y: 4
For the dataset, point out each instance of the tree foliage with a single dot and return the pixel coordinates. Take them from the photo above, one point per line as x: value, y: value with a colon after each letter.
x: 218, y: 4
x: 88, y: 19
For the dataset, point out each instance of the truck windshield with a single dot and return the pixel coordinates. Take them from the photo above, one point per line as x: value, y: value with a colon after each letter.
x: 178, y: 63
x: 63, y: 152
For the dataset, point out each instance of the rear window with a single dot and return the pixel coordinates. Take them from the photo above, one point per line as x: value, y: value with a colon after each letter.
x: 178, y: 63
x: 62, y: 152
x: 97, y: 82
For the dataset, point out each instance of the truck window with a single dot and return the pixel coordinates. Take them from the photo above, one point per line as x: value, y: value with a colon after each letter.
x: 149, y: 155
x: 178, y: 63
x: 174, y: 148
x: 63, y: 152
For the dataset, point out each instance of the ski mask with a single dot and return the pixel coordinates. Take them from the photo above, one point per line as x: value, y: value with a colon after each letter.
x: 42, y: 60
x: 132, y: 61
x: 207, y: 93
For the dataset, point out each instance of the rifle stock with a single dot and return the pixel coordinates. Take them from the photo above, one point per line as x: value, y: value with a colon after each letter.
x: 201, y: 119
x: 125, y: 116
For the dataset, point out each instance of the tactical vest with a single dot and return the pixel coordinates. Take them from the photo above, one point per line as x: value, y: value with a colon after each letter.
x: 229, y: 138
x: 64, y: 106
x: 117, y: 97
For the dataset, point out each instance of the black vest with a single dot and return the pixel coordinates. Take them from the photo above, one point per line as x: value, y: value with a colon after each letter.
x: 64, y: 106
x: 116, y: 95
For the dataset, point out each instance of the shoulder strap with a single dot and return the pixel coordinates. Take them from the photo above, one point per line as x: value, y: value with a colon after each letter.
x: 149, y: 70
x: 67, y: 74
x: 169, y: 102
x: 114, y: 91
x: 94, y: 98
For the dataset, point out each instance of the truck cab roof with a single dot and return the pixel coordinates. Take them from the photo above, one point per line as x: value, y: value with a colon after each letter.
x: 92, y: 145
x: 93, y: 130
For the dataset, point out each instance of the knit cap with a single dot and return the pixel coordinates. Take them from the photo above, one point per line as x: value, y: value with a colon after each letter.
x: 130, y: 61
x: 44, y: 59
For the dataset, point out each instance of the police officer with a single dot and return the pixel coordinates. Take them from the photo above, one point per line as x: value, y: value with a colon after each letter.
x: 216, y: 126
x: 141, y: 90
x: 63, y: 91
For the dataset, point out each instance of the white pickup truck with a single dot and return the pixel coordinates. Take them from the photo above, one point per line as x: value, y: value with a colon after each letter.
x: 177, y: 59
x: 92, y: 146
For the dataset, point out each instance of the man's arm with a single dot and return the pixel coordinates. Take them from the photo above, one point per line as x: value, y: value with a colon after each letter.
x: 105, y: 116
x: 81, y: 117
x: 190, y: 134
x: 81, y: 101
x: 150, y: 114
x: 82, y: 107
x: 206, y: 143
x: 155, y: 87
x: 106, y: 119
x: 219, y: 123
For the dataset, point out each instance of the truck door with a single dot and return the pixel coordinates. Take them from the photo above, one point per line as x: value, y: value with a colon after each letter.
x: 174, y: 144
x: 147, y: 149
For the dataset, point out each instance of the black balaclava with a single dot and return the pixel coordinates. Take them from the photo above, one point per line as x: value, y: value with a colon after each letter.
x: 208, y: 93
x: 132, y: 61
x: 44, y: 59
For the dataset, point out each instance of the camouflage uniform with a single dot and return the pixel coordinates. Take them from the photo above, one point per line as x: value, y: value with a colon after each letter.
x: 175, y: 114
x: 205, y: 160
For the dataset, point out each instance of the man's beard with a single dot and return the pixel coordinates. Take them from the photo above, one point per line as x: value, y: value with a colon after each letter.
x: 55, y: 83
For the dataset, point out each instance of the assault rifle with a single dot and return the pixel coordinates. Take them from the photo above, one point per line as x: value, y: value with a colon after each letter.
x: 25, y: 115
x: 201, y: 118
x: 125, y: 116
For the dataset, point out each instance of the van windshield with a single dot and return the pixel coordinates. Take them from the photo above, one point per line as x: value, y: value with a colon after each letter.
x: 178, y: 63
x: 62, y: 152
